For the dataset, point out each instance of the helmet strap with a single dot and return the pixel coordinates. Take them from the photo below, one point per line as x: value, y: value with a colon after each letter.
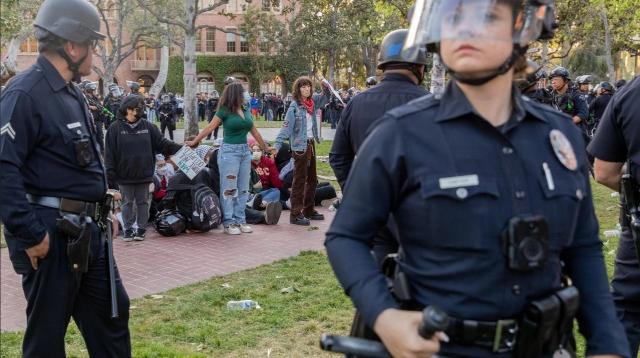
x: 410, y: 67
x: 517, y: 52
x: 74, y: 67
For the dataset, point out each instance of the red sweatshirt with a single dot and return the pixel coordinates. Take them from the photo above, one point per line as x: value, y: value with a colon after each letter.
x: 269, y: 175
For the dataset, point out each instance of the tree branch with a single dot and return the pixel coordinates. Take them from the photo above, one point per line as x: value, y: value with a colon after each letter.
x: 200, y: 27
x: 161, y: 18
x: 212, y: 7
x: 166, y: 33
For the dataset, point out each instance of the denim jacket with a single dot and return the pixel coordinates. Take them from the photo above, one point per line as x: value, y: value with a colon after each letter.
x: 294, y: 127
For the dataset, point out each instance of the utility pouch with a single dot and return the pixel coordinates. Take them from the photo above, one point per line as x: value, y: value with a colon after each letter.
x: 396, y: 279
x: 78, y: 229
x: 538, y: 323
x: 562, y: 340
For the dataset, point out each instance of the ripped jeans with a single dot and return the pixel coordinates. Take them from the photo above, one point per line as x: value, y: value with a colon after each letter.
x: 234, y: 162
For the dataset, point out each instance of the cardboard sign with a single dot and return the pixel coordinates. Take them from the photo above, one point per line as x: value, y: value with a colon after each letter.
x: 188, y: 161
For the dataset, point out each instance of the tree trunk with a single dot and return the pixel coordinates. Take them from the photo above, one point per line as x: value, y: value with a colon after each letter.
x: 366, y: 58
x: 10, y: 61
x: 437, y: 76
x: 107, y: 79
x: 607, y: 45
x: 189, y: 76
x: 156, y: 88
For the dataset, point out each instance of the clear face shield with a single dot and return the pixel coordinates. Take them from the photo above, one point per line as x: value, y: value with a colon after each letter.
x: 517, y: 21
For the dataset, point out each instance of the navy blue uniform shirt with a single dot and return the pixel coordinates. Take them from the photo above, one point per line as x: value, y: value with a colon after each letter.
x: 617, y: 136
x: 361, y: 112
x: 450, y: 233
x: 42, y: 117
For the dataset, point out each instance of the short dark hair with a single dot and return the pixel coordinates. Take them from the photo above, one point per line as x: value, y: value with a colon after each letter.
x: 299, y: 82
x: 232, y: 97
x: 47, y: 42
x: 130, y: 102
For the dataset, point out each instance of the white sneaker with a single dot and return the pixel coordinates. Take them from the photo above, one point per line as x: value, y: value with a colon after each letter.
x: 245, y: 228
x: 232, y: 229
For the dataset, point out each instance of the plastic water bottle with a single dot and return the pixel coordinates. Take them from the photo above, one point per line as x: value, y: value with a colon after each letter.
x: 243, y: 305
x: 615, y: 194
x: 609, y: 233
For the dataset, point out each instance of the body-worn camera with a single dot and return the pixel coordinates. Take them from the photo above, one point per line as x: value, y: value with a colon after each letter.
x: 84, y: 153
x: 526, y: 242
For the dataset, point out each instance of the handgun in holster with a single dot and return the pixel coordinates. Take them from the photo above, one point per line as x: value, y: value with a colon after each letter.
x: 546, y: 325
x: 397, y: 280
x: 78, y: 230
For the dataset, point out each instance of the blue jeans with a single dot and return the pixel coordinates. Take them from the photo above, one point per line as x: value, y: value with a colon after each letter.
x: 235, y: 173
x: 270, y: 195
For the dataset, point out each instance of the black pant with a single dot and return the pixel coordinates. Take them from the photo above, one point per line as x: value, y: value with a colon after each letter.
x: 215, y: 131
x: 626, y: 289
x: 166, y: 125
x: 54, y: 295
x: 324, y: 191
x: 201, y: 113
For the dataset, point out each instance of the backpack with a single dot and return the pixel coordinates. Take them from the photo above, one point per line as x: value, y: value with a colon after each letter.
x: 197, y: 203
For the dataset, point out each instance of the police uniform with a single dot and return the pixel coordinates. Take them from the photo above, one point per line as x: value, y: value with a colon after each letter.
x: 42, y: 117
x: 452, y: 182
x: 357, y: 118
x: 572, y: 102
x: 539, y: 95
x: 618, y: 139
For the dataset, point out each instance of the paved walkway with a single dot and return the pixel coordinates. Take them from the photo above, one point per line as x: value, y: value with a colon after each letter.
x: 161, y: 263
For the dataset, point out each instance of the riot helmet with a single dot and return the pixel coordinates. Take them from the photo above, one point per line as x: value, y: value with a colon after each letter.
x: 134, y: 86
x: 532, y: 76
x: 606, y: 86
x: 391, y: 54
x: 583, y: 80
x: 165, y: 99
x: 620, y: 83
x: 371, y: 81
x: 91, y: 86
x: 560, y: 72
x: 433, y: 21
x: 229, y: 80
x: 71, y: 20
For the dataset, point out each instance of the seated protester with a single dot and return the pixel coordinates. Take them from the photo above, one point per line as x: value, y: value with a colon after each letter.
x: 161, y: 162
x: 270, y: 182
x: 283, y: 157
x: 161, y: 181
x: 271, y: 214
x: 325, y: 192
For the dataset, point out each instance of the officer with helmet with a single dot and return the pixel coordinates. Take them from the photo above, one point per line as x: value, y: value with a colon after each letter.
x: 112, y: 103
x: 582, y: 84
x: 529, y: 83
x: 481, y: 183
x: 52, y: 172
x: 96, y: 114
x: 597, y: 107
x: 570, y: 101
x: 371, y: 81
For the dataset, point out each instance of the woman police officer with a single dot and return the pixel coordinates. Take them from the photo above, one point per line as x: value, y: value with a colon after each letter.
x: 459, y: 174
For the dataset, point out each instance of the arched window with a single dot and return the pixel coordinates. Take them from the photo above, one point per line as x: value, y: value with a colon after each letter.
x: 205, y: 82
x: 275, y: 85
x: 145, y: 82
x: 242, y: 78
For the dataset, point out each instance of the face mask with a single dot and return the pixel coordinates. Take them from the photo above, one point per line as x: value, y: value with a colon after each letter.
x: 256, y: 156
x: 162, y: 171
x: 139, y: 114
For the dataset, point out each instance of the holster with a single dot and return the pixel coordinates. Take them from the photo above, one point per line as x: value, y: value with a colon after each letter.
x: 546, y: 325
x: 78, y: 230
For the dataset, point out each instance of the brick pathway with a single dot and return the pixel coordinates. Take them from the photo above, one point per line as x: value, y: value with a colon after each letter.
x: 161, y: 263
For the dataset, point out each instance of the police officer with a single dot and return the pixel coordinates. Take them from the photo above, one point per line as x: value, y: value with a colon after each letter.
x: 462, y: 176
x: 597, y: 107
x: 620, y: 83
x: 166, y: 113
x: 51, y: 167
x: 569, y: 101
x: 112, y: 103
x: 582, y: 84
x: 371, y: 81
x: 529, y: 86
x: 96, y: 114
x: 618, y: 141
x: 135, y: 89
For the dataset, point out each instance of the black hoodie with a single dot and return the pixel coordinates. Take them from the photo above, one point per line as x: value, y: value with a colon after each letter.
x: 130, y: 150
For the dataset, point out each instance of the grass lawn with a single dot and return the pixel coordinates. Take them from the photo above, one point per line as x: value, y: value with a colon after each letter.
x: 193, y: 321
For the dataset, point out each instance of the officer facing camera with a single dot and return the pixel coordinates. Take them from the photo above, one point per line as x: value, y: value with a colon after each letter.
x: 481, y: 185
x: 53, y: 189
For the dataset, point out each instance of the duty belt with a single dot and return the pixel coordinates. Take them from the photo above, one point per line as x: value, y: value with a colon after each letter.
x: 67, y: 205
x: 499, y: 336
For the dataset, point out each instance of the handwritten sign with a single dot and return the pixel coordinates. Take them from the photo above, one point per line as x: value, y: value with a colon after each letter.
x: 189, y: 162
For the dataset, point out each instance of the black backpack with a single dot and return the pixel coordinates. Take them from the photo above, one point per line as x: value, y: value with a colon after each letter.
x: 197, y: 203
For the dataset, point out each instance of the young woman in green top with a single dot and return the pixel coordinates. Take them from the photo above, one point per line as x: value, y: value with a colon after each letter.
x: 234, y: 157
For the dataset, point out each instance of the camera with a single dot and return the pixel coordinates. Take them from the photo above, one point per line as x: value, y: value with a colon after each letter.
x: 84, y: 152
x: 526, y: 241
